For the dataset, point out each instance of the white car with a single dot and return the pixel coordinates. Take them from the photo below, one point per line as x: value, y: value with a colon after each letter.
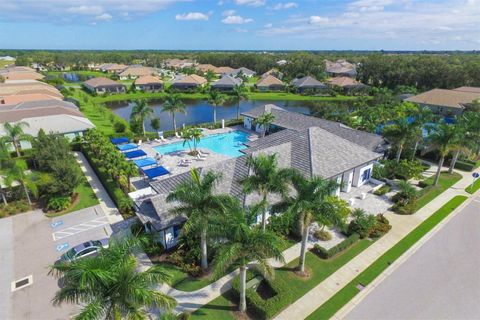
x: 84, y: 250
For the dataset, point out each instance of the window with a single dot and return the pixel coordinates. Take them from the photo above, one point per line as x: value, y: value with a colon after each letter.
x: 366, y: 174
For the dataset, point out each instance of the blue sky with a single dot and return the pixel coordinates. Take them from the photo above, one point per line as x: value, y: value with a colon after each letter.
x: 241, y: 24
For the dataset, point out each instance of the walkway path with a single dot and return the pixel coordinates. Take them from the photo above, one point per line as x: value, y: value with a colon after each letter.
x: 401, y: 226
x: 106, y: 203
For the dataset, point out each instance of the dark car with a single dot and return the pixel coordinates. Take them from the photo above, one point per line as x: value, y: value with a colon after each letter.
x: 84, y: 250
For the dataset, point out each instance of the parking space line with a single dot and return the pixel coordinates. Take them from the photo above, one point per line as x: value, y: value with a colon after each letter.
x: 82, y: 227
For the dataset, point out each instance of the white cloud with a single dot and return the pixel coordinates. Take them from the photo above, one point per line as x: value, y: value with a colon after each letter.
x: 369, y: 5
x: 252, y: 3
x: 236, y: 20
x: 104, y: 17
x: 287, y: 5
x: 318, y: 20
x: 268, y: 25
x: 89, y: 10
x: 227, y: 13
x: 192, y: 16
x: 241, y: 30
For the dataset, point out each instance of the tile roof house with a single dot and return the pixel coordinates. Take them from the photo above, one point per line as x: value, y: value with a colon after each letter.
x: 340, y: 68
x: 102, y: 85
x: 134, y: 72
x: 19, y: 73
x: 114, y: 67
x: 270, y: 83
x: 19, y: 98
x: 446, y: 102
x: 28, y: 87
x: 273, y: 72
x: 205, y: 67
x: 315, y: 148
x: 308, y: 83
x: 178, y: 63
x: 223, y: 70
x: 189, y: 82
x: 347, y: 84
x: 148, y: 84
x: 244, y: 71
x: 226, y: 83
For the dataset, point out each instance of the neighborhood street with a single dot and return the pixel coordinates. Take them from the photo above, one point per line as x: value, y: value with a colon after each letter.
x: 441, y: 280
x: 29, y: 243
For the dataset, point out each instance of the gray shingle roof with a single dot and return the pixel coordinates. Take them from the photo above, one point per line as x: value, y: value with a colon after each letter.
x: 297, y: 121
x: 226, y: 82
x: 308, y: 82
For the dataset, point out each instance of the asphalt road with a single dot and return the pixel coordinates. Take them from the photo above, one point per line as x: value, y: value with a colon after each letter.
x: 441, y: 280
x: 29, y: 243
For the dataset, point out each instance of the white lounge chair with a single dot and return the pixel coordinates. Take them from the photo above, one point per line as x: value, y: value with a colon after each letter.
x: 139, y: 143
x: 199, y: 158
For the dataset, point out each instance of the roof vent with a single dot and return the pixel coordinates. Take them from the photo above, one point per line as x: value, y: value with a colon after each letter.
x: 22, y: 283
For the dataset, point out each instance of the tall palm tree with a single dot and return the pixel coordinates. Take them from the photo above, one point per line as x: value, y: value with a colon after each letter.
x: 265, y: 120
x: 266, y: 178
x: 421, y: 118
x: 196, y: 200
x: 239, y: 92
x: 14, y: 134
x: 246, y: 244
x: 398, y: 133
x: 443, y: 138
x: 109, y: 285
x: 215, y: 98
x: 173, y: 105
x: 18, y: 173
x: 310, y: 202
x: 141, y: 110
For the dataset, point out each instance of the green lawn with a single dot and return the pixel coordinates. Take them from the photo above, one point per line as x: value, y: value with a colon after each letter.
x: 430, y: 192
x: 86, y: 198
x: 5, y: 63
x: 297, y: 97
x: 329, y: 308
x: 475, y: 187
x: 82, y: 72
x: 293, y: 286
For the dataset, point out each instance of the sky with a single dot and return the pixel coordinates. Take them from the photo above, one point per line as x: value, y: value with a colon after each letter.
x: 240, y: 24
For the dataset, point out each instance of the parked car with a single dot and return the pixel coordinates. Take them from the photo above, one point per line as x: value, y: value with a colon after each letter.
x: 83, y: 250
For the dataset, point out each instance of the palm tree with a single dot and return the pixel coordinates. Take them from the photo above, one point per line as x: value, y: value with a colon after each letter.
x: 443, y: 138
x: 266, y: 178
x: 196, y: 199
x: 109, y: 285
x: 18, y: 173
x: 196, y: 134
x: 14, y: 134
x: 309, y: 203
x: 246, y: 244
x: 398, y: 133
x: 173, y: 105
x: 215, y: 98
x: 265, y: 120
x: 155, y: 124
x: 141, y: 110
x: 421, y: 119
x: 239, y: 92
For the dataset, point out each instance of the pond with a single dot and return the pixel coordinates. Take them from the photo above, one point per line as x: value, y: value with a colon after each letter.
x: 200, y: 111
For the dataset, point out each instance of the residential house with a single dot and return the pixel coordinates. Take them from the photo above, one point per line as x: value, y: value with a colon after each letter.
x: 242, y: 71
x: 226, y: 83
x: 7, y: 58
x: 14, y: 73
x: 315, y: 147
x: 340, y: 68
x: 178, y: 63
x: 220, y: 71
x: 19, y: 98
x: 148, y: 84
x: 204, y: 68
x: 270, y: 83
x: 347, y: 84
x: 137, y: 71
x: 114, y: 68
x: 189, y: 82
x: 102, y: 85
x: 281, y: 62
x: 308, y: 84
x: 273, y: 72
x: 28, y: 87
x: 446, y: 102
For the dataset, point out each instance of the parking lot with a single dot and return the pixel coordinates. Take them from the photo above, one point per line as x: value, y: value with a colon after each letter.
x: 29, y: 243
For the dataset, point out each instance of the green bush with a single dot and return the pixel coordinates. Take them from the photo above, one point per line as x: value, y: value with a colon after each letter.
x: 345, y: 244
x: 383, y: 190
x: 323, y: 235
x: 58, y: 204
x: 465, y: 165
x: 382, y: 226
x: 362, y: 223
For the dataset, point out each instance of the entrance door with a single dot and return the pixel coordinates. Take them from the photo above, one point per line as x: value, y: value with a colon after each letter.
x: 347, y: 181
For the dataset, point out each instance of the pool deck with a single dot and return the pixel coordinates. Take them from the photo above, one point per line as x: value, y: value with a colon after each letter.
x: 170, y: 161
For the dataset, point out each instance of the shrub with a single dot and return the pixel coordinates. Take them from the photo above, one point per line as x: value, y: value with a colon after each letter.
x: 58, y: 204
x: 379, y: 171
x: 323, y: 235
x: 405, y: 209
x: 465, y: 165
x: 382, y: 226
x: 119, y: 126
x: 345, y: 244
x: 362, y: 223
x: 383, y: 190
x: 282, y: 224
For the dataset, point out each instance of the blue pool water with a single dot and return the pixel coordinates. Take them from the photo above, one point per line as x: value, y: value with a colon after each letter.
x: 228, y: 144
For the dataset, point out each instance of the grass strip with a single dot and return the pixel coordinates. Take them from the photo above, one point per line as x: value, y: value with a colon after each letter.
x: 472, y: 189
x: 430, y: 192
x: 342, y: 297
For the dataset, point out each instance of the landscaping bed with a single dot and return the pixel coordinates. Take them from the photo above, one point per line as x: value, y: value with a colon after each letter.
x: 472, y: 189
x: 430, y: 192
x: 335, y: 303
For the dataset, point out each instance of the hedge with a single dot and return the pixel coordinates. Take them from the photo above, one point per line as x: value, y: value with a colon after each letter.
x: 465, y: 165
x: 345, y: 244
x: 114, y: 191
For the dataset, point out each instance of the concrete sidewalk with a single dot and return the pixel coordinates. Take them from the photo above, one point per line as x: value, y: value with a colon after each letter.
x: 106, y: 203
x: 401, y: 226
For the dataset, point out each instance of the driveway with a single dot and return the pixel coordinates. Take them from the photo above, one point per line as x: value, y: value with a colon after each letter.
x: 441, y: 280
x: 29, y: 243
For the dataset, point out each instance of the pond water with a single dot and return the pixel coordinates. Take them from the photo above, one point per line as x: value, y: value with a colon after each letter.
x: 200, y: 111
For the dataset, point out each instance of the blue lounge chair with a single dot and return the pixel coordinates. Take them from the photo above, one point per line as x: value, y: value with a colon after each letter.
x: 135, y: 154
x: 126, y: 147
x: 146, y: 162
x: 120, y: 140
x: 156, y: 172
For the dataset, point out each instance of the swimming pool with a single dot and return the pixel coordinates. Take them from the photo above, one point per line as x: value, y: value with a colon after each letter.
x: 228, y: 144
